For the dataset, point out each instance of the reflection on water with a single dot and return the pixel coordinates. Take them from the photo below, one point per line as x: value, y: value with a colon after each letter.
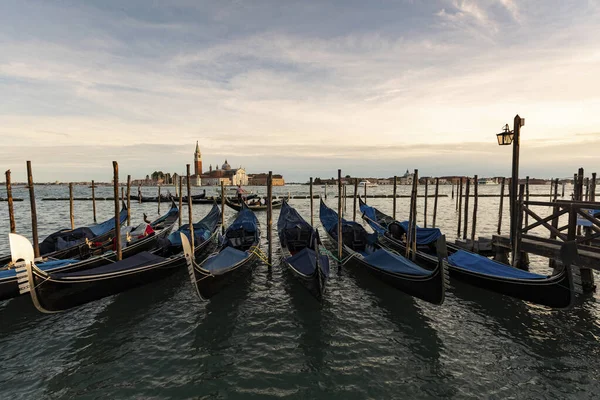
x: 267, y: 336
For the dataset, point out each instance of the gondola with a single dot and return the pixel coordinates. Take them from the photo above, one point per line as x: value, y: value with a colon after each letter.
x: 366, y: 254
x: 72, y: 243
x: 254, y: 207
x: 58, y: 291
x: 300, y: 248
x: 556, y: 291
x: 134, y: 241
x: 164, y: 198
x: 234, y: 258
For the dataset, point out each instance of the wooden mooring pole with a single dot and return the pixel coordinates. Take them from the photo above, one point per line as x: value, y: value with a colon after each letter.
x: 414, y: 211
x: 365, y: 192
x: 555, y: 189
x: 189, y: 201
x: 11, y: 210
x: 34, y: 228
x: 474, y: 219
x: 159, y: 205
x: 452, y: 189
x: 355, y: 197
x: 339, y: 227
x: 593, y: 188
x: 94, y: 200
x: 71, y: 216
x: 312, y: 213
x: 466, y: 221
x: 129, y: 200
x: 394, y: 200
x: 502, y: 185
x: 435, y: 201
x: 425, y: 204
x: 118, y: 249
x: 223, y: 207
x: 270, y: 217
x: 180, y: 198
x: 527, y: 197
x: 459, y: 207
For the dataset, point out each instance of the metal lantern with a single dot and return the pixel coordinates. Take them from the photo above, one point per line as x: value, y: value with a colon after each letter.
x: 506, y: 137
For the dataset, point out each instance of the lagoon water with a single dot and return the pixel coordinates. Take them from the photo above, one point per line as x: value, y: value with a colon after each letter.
x: 267, y: 337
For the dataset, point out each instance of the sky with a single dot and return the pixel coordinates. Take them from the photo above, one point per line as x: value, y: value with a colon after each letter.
x: 301, y: 88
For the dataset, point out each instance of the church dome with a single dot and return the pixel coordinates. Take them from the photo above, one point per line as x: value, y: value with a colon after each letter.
x: 226, y: 166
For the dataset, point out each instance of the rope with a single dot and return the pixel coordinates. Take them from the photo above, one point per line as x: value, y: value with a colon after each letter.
x: 324, y: 251
x: 260, y: 254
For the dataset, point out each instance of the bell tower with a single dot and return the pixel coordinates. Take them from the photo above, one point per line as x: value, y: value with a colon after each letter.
x: 197, y: 161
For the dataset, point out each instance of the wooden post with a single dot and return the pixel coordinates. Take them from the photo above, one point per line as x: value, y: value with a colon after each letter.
x: 394, y: 201
x: 516, y: 242
x: 466, y: 221
x: 117, y: 211
x: 94, y: 199
x: 518, y: 122
x: 312, y: 218
x: 345, y: 197
x: 326, y: 191
x: 459, y: 208
x: 458, y: 194
x: 527, y: 197
x: 140, y: 193
x: 34, y: 231
x: 452, y: 189
x: 11, y: 211
x: 474, y: 223
x: 435, y: 201
x: 180, y: 198
x: 339, y: 227
x: 129, y: 200
x: 189, y: 198
x: 355, y: 196
x: 414, y: 225
x: 122, y: 194
x: 412, y: 216
x: 71, y: 216
x: 580, y: 175
x: 555, y: 188
x: 365, y: 191
x: 501, y: 205
x: 593, y: 188
x: 159, y: 203
x: 223, y: 206
x: 270, y: 216
x: 425, y: 204
x: 563, y: 190
x: 587, y: 189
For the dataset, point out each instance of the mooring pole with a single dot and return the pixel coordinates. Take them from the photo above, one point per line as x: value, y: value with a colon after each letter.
x: 94, y: 199
x: 414, y: 227
x: 458, y: 194
x: 516, y: 243
x: 140, y: 193
x: 223, y: 206
x: 527, y: 197
x: 159, y: 202
x: 270, y: 216
x: 34, y: 231
x: 411, y: 218
x: 394, y: 200
x: 517, y: 123
x: 129, y: 200
x: 466, y: 221
x: 312, y: 218
x: 452, y: 182
x: 355, y: 197
x: 339, y: 227
x: 587, y: 189
x: 190, y: 218
x: 180, y: 198
x: 435, y: 201
x: 459, y: 208
x: 593, y: 188
x: 555, y: 188
x: 71, y: 216
x: 580, y: 175
x: 325, y: 191
x: 122, y: 194
x: 365, y: 191
x: 11, y: 210
x: 501, y: 205
x: 475, y: 201
x: 117, y: 211
x: 425, y: 204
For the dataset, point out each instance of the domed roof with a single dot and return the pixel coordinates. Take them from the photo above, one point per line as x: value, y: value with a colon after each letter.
x: 226, y: 166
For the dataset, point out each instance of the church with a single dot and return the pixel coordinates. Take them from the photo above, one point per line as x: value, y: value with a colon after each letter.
x: 213, y: 177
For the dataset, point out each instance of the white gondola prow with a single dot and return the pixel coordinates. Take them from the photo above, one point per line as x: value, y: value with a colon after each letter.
x: 22, y: 255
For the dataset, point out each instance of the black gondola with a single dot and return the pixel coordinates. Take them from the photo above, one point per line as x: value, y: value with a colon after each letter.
x: 300, y: 247
x: 556, y: 291
x: 55, y: 292
x: 393, y: 269
x: 235, y: 257
x: 102, y: 254
x: 251, y: 205
x: 72, y: 243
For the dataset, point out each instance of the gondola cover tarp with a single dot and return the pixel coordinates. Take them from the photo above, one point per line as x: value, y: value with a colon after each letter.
x: 483, y: 265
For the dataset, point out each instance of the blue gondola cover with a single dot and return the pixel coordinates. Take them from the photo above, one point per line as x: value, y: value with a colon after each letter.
x: 228, y: 257
x: 141, y: 259
x: 483, y: 265
x: 202, y: 229
x: 388, y: 261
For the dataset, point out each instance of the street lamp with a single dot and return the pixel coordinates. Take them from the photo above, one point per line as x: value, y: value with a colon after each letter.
x: 507, y: 137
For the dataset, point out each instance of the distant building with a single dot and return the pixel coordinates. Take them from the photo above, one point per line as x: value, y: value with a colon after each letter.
x: 261, y: 179
x: 229, y: 176
x: 407, y: 178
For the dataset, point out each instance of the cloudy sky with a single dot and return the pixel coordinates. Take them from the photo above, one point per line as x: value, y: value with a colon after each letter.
x: 298, y: 87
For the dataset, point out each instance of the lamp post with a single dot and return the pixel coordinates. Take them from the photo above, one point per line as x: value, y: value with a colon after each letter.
x: 505, y: 138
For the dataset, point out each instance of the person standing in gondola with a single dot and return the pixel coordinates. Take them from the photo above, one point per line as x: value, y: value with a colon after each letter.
x: 240, y: 193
